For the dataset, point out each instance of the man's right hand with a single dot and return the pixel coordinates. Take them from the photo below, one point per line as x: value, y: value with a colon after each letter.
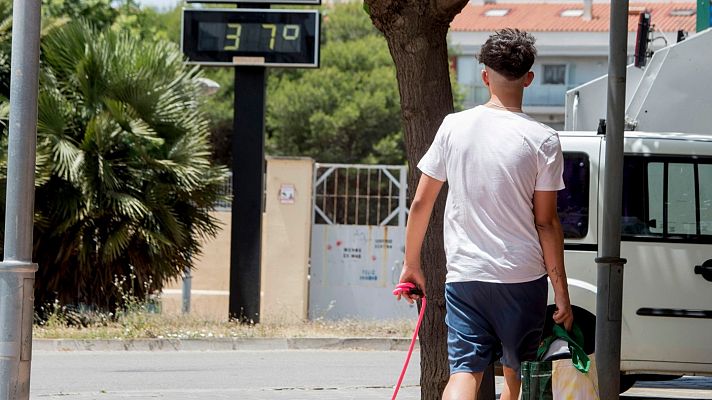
x: 412, y: 274
x: 563, y: 315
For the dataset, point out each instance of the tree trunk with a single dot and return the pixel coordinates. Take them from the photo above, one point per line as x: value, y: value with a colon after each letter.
x: 416, y: 32
x: 423, y: 109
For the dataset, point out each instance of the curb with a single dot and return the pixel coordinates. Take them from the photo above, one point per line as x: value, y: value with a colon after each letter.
x: 228, y: 344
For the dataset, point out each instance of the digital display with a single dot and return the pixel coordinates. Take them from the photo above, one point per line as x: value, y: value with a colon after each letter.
x: 301, y: 2
x: 249, y: 37
x: 286, y: 38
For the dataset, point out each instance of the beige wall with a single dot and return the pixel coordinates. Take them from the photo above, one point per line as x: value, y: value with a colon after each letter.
x: 286, y: 235
x: 211, y: 277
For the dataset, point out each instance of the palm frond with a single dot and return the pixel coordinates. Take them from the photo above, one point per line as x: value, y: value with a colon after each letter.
x: 65, y: 155
x: 65, y: 47
x: 4, y: 112
x: 5, y: 25
x: 51, y: 113
x: 116, y: 243
x: 50, y: 24
x: 126, y: 205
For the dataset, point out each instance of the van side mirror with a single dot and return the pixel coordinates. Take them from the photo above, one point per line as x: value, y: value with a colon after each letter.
x: 653, y: 223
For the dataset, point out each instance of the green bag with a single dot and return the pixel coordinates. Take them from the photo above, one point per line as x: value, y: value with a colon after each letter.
x: 538, y: 377
x: 578, y: 356
x: 536, y: 380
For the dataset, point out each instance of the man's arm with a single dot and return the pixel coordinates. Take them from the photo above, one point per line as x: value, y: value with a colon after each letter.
x: 551, y: 238
x: 418, y: 219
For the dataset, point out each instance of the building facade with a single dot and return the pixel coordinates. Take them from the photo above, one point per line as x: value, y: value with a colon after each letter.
x: 572, y: 42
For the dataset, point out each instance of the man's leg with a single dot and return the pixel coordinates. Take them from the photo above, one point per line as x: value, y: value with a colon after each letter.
x: 471, y: 345
x: 463, y: 386
x: 512, y: 384
x: 523, y: 312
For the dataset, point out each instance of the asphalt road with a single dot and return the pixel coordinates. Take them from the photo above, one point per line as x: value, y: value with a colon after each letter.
x: 257, y: 375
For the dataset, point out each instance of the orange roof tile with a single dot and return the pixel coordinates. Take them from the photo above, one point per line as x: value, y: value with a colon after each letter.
x: 546, y: 17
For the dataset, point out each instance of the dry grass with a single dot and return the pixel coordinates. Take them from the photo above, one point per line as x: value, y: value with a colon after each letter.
x: 143, y: 324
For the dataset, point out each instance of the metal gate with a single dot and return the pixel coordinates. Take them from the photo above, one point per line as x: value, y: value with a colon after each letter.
x: 358, y: 241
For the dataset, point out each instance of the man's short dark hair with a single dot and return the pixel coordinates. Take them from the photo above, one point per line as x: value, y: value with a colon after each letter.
x: 510, y: 52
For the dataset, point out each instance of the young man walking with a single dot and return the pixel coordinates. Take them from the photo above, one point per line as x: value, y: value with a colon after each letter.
x: 502, y: 234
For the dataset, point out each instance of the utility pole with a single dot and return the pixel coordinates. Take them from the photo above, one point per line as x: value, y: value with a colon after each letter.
x: 609, y: 299
x: 17, y: 271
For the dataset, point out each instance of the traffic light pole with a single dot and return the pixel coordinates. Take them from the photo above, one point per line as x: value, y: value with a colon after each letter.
x: 17, y: 272
x: 609, y: 298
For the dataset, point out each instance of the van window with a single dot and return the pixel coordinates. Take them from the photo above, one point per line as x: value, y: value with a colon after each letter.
x: 655, y: 197
x: 573, y: 200
x: 682, y: 201
x: 667, y: 199
x: 705, y: 180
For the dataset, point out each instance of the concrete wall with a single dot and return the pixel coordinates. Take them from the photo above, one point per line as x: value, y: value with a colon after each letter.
x: 211, y: 277
x: 286, y: 236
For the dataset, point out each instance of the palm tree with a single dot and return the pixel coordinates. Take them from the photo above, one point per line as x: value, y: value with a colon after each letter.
x: 125, y: 183
x: 5, y: 31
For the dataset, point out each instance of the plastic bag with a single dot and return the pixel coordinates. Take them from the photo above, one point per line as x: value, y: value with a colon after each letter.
x: 572, y: 378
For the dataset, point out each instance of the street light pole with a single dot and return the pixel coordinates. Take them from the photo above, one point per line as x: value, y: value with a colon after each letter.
x: 609, y: 299
x: 17, y: 272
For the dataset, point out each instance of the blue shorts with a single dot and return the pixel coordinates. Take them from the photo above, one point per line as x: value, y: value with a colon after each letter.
x: 487, y: 321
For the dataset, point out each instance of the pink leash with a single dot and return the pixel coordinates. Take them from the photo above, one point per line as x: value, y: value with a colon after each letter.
x: 401, y: 288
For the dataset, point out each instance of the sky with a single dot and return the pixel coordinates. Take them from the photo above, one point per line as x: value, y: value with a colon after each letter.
x: 161, y: 4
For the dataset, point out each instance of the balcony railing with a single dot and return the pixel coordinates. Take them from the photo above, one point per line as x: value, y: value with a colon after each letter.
x: 535, y: 95
x: 546, y: 95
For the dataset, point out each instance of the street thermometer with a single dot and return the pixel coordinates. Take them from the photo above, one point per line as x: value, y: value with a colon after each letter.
x: 249, y: 38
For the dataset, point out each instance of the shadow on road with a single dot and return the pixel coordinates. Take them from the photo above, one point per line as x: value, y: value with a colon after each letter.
x: 686, y: 382
x: 643, y: 397
x: 688, y: 387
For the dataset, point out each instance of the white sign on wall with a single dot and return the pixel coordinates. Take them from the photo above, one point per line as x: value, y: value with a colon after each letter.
x: 354, y: 270
x: 287, y: 193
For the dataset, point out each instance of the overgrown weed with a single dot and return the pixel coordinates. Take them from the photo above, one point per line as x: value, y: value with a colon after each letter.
x: 136, y: 318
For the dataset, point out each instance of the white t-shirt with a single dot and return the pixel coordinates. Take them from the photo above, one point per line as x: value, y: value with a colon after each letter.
x: 493, y: 161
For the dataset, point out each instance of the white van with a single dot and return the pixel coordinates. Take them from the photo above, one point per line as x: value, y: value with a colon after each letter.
x: 666, y: 238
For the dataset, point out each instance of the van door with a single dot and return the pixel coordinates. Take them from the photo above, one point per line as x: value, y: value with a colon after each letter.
x: 578, y: 215
x: 667, y: 240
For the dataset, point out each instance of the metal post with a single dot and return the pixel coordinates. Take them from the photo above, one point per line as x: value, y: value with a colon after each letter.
x: 187, y: 287
x: 248, y: 159
x: 609, y: 299
x: 17, y: 272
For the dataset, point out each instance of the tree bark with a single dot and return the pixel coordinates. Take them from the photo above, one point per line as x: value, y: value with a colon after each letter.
x: 416, y: 32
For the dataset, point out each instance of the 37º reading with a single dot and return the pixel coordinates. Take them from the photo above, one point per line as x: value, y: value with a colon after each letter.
x: 251, y: 37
